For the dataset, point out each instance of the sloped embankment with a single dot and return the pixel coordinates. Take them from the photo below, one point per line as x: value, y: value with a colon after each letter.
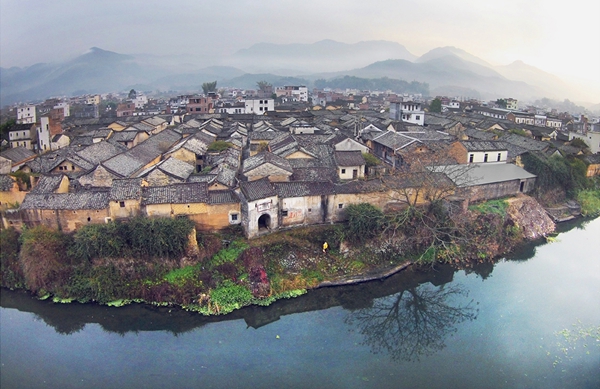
x: 530, y: 216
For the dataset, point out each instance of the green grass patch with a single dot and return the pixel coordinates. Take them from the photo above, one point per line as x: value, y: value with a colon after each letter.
x: 497, y: 207
x: 229, y: 254
x: 184, y: 276
x: 590, y: 202
x: 229, y: 297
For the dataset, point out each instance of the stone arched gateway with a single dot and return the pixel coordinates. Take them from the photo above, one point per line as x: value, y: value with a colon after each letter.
x: 264, y: 222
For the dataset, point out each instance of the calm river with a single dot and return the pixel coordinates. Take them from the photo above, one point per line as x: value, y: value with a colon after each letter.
x: 493, y: 327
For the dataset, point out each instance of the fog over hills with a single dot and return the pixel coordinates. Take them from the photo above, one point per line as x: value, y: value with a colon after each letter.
x: 447, y: 70
x: 322, y: 56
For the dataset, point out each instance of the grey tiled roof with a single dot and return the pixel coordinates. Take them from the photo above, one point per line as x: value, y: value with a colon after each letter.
x: 171, y: 166
x: 71, y: 156
x: 315, y: 174
x: 124, y: 136
x: 176, y: 168
x: 394, y: 140
x: 140, y: 127
x: 222, y: 197
x: 66, y: 201
x: 526, y: 143
x: 196, y: 192
x: 259, y: 189
x: 306, y: 188
x: 154, y: 121
x: 202, y: 178
x: 126, y: 189
x: 592, y: 159
x: 17, y: 154
x: 484, y: 145
x: 101, y: 151
x: 6, y: 182
x: 47, y: 184
x: 226, y: 175
x: 349, y: 158
x: 265, y: 157
x: 478, y: 134
x: 134, y: 159
x: 427, y: 135
x: 359, y: 186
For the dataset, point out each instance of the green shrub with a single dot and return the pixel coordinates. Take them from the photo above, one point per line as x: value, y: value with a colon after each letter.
x: 590, y: 202
x: 556, y: 171
x: 364, y: 221
x: 218, y: 146
x: 229, y: 297
x: 141, y: 237
x: 44, y: 258
x: 11, y: 274
x: 370, y: 160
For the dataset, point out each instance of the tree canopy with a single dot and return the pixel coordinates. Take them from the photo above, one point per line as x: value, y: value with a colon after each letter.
x: 209, y: 87
x: 436, y: 105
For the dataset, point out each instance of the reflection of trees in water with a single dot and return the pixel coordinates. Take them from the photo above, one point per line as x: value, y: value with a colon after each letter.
x: 412, y: 323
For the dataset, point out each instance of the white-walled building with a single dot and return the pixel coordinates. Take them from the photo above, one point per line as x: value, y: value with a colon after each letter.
x: 140, y: 101
x: 512, y: 104
x: 23, y: 135
x: 259, y: 106
x: 408, y: 111
x: 65, y: 107
x: 591, y: 138
x: 294, y: 92
x: 44, y: 134
x: 26, y: 114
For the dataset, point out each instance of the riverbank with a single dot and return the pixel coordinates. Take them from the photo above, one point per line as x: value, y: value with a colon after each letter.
x: 216, y: 274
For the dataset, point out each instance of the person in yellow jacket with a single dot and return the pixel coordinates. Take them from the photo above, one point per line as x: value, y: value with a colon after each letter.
x: 325, y: 247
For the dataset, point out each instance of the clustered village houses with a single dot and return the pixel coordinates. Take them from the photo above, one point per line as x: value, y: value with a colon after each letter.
x: 265, y: 166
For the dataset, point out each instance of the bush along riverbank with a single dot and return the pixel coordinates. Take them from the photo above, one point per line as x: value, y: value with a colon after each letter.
x: 164, y: 261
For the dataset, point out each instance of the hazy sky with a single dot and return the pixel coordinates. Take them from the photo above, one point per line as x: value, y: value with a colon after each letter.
x: 556, y: 36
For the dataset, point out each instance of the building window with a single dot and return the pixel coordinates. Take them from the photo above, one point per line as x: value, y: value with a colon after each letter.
x: 309, y: 210
x: 234, y: 217
x: 418, y: 117
x: 340, y: 206
x: 284, y: 213
x: 343, y: 171
x: 122, y: 204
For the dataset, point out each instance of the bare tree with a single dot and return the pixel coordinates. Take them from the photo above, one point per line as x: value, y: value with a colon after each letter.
x: 414, y: 322
x: 420, y: 206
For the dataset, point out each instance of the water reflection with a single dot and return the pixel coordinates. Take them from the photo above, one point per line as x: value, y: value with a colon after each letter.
x: 414, y: 322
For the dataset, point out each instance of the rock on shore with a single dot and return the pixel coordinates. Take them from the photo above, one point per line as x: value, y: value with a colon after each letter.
x: 530, y: 216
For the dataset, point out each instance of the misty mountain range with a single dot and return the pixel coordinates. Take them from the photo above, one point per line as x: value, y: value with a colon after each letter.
x: 447, y: 70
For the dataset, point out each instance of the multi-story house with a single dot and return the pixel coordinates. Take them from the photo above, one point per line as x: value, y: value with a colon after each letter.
x: 511, y: 104
x: 27, y: 114
x: 23, y: 135
x: 259, y: 106
x: 197, y: 104
x: 294, y: 92
x: 408, y: 111
x: 125, y: 109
